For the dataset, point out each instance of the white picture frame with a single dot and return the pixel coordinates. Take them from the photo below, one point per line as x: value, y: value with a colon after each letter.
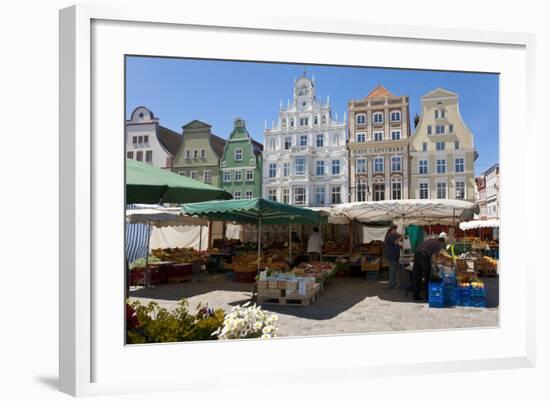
x: 92, y: 352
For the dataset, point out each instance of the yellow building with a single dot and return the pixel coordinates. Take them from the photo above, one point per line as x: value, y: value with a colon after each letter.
x: 442, y: 150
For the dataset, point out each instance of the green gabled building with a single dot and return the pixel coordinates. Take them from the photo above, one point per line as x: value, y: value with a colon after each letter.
x: 199, y: 154
x: 241, y: 164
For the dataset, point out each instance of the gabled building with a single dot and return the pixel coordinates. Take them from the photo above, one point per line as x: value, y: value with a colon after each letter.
x: 200, y: 153
x: 305, y: 156
x: 241, y: 164
x: 150, y: 142
x: 488, y: 188
x: 378, y: 145
x: 442, y: 150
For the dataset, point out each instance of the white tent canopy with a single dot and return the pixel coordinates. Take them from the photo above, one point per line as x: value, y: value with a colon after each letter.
x: 410, y: 211
x: 475, y: 224
x: 334, y: 217
x: 161, y: 216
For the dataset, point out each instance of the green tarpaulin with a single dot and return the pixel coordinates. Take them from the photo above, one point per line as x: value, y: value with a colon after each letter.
x: 416, y: 236
x: 252, y: 210
x: 149, y: 184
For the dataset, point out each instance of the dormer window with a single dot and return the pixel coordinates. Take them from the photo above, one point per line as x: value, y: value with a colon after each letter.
x: 238, y: 154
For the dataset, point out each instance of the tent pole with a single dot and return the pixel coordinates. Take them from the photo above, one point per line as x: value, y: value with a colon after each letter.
x: 200, y: 238
x: 148, y: 243
x: 289, y: 245
x: 259, y: 241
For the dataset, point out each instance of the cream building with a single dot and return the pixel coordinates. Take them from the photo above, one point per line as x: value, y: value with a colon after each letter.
x: 305, y: 156
x: 378, y: 146
x: 442, y: 150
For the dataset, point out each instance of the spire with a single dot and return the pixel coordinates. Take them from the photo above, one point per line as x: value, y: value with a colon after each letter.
x: 281, y: 104
x: 265, y: 124
x: 328, y: 100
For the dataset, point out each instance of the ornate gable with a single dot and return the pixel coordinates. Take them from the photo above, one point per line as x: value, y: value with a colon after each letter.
x: 379, y: 91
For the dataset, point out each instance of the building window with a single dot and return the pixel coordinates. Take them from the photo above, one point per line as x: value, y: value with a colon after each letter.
x: 451, y: 128
x: 284, y: 123
x: 292, y: 122
x: 320, y: 167
x: 300, y: 166
x: 441, y: 190
x: 316, y: 120
x: 248, y: 195
x: 272, y: 194
x: 286, y: 196
x: 460, y: 190
x: 457, y: 145
x: 187, y: 154
x: 439, y: 129
x: 378, y: 164
x: 335, y: 167
x: 378, y: 117
x: 303, y: 140
x: 440, y: 146
x: 195, y: 154
x: 361, y: 119
x: 238, y: 175
x: 303, y: 121
x: 396, y: 189
x: 361, y: 166
x: 207, y: 176
x: 336, y: 196
x: 442, y: 113
x: 319, y: 195
x: 436, y: 114
x: 441, y: 166
x: 146, y: 139
x: 378, y: 136
x: 288, y: 142
x: 272, y: 144
x: 424, y: 190
x: 459, y: 165
x: 237, y: 195
x: 395, y: 116
x: 134, y: 140
x: 320, y: 140
x: 379, y: 190
x: 286, y: 169
x: 429, y: 129
x: 422, y: 167
x: 140, y: 139
x: 361, y: 191
x: 249, y: 175
x: 194, y: 174
x: 361, y: 137
x: 139, y: 156
x: 130, y: 155
x: 182, y: 173
x: 396, y: 163
x: 299, y: 196
x: 203, y: 153
x: 323, y: 120
x: 272, y: 170
x: 395, y: 135
x: 227, y: 176
x: 424, y: 146
x: 238, y: 154
x: 149, y: 156
x: 336, y: 140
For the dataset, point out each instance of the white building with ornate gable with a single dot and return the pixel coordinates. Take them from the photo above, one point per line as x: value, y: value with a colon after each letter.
x: 305, y: 160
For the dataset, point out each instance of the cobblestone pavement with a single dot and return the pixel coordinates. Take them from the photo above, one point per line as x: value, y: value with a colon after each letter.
x: 347, y: 305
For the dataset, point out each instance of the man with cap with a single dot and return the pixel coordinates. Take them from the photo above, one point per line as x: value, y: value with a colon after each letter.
x: 422, y: 266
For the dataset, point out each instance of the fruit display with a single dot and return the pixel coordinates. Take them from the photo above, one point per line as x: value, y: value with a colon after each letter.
x: 335, y: 248
x: 180, y: 255
x: 246, y: 262
x: 317, y: 270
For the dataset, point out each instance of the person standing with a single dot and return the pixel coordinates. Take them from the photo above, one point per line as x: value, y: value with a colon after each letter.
x: 422, y: 266
x: 314, y: 245
x: 392, y: 253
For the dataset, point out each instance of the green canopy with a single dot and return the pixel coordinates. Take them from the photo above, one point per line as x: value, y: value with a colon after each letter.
x: 149, y: 184
x: 251, y: 211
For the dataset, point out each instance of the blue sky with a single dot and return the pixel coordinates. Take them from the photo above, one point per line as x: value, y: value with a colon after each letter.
x: 178, y: 91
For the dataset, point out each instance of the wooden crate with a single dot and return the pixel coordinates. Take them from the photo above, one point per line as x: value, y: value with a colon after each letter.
x: 370, y: 267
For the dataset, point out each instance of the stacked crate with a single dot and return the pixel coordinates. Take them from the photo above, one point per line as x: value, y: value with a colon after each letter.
x: 443, y: 294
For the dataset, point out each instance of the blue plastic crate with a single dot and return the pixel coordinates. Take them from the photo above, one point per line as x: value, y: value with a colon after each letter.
x: 478, y: 292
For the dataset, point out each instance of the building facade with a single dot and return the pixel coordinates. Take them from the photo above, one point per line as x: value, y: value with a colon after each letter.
x: 488, y: 186
x: 241, y: 164
x: 200, y: 153
x: 305, y: 156
x: 378, y: 146
x: 150, y: 142
x: 442, y: 150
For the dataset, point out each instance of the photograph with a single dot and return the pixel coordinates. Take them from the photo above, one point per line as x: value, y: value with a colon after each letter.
x: 273, y: 200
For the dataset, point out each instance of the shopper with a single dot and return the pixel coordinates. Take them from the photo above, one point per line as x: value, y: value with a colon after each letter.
x: 422, y: 266
x: 392, y: 253
x: 314, y: 244
x: 295, y: 238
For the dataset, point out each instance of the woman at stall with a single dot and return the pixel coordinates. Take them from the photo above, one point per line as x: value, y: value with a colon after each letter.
x: 392, y: 242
